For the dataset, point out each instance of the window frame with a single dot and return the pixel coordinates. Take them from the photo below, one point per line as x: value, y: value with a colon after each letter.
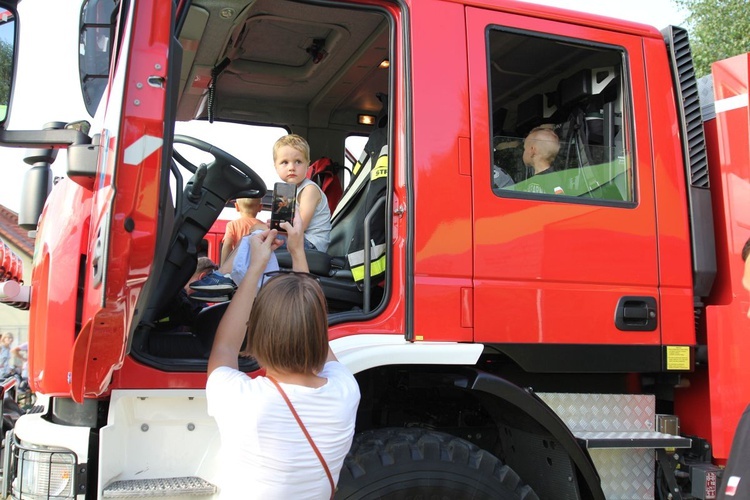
x: 627, y: 120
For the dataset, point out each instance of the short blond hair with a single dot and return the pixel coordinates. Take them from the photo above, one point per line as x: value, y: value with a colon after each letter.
x: 545, y: 140
x: 249, y: 205
x: 296, y: 141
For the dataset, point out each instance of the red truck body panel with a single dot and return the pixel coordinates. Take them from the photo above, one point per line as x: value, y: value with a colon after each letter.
x: 728, y: 332
x: 58, y: 253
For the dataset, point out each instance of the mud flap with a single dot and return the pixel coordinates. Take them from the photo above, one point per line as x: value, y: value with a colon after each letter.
x: 97, y: 352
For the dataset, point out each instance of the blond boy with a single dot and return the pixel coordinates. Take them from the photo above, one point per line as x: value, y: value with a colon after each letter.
x: 291, y: 158
x: 244, y: 225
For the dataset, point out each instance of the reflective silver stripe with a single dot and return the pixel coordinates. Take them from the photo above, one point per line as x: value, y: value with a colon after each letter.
x: 358, y: 258
x: 730, y: 103
x: 141, y: 149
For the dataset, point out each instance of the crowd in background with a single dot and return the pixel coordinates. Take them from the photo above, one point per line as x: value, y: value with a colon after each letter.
x: 14, y: 360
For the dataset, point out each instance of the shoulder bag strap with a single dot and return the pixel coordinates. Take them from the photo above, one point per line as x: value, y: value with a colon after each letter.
x: 307, y: 434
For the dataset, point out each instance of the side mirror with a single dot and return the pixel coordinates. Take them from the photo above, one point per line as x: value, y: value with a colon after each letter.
x: 7, y: 57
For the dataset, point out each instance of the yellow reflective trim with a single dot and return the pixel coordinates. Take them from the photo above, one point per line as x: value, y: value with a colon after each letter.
x: 357, y: 167
x: 381, y: 168
x: 376, y: 267
x: 382, y: 162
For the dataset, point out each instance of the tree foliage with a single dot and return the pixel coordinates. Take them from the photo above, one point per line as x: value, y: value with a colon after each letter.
x: 6, y: 71
x: 718, y: 29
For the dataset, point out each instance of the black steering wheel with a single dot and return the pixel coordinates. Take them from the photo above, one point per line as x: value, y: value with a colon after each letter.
x: 221, y: 159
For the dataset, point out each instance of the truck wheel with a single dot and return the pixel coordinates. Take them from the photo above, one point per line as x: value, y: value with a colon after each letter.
x: 416, y: 463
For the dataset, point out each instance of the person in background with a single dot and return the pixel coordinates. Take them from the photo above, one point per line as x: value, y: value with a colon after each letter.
x: 244, y: 225
x: 540, y: 149
x: 6, y: 366
x: 20, y: 355
x: 735, y: 483
x: 265, y: 451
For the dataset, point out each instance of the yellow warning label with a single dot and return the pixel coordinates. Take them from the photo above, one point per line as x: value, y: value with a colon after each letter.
x: 678, y: 357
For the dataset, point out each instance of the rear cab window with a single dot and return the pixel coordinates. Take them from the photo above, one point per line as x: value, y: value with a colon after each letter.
x: 559, y: 120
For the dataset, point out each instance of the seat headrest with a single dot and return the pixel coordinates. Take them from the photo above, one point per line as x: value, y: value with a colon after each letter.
x: 529, y: 113
x: 573, y: 89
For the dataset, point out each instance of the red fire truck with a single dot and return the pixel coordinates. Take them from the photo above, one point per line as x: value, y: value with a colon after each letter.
x: 572, y: 334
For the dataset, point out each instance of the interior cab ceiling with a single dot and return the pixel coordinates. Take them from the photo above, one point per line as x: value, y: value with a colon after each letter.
x: 282, y: 62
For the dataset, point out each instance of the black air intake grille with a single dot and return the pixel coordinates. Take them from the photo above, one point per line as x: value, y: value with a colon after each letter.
x: 689, y: 106
x: 702, y: 234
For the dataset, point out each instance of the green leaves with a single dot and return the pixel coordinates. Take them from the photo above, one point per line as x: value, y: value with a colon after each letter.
x: 718, y: 29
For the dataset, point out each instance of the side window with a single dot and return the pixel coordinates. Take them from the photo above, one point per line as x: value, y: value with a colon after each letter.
x: 353, y: 147
x: 559, y: 120
x: 97, y: 29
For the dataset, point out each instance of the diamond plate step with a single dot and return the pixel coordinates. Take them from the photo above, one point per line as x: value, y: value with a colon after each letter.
x: 613, y: 420
x: 631, y: 440
x: 159, y: 487
x: 620, y: 432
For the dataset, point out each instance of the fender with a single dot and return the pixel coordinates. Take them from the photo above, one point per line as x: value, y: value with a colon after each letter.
x: 363, y: 352
x: 529, y: 403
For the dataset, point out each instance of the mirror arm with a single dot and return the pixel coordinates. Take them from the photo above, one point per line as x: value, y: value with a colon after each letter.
x: 43, y: 138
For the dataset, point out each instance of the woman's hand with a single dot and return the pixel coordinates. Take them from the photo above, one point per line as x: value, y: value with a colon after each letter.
x: 295, y: 243
x: 295, y: 236
x: 262, y: 246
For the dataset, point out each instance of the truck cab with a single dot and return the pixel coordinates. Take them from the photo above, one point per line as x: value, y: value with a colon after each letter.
x: 483, y: 306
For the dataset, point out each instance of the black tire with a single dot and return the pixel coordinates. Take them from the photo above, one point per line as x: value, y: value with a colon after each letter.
x: 421, y: 464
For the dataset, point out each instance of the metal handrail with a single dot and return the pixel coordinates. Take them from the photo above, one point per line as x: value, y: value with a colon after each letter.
x: 367, y: 256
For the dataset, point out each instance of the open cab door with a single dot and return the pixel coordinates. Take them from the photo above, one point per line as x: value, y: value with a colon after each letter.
x: 97, y: 233
x: 129, y: 185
